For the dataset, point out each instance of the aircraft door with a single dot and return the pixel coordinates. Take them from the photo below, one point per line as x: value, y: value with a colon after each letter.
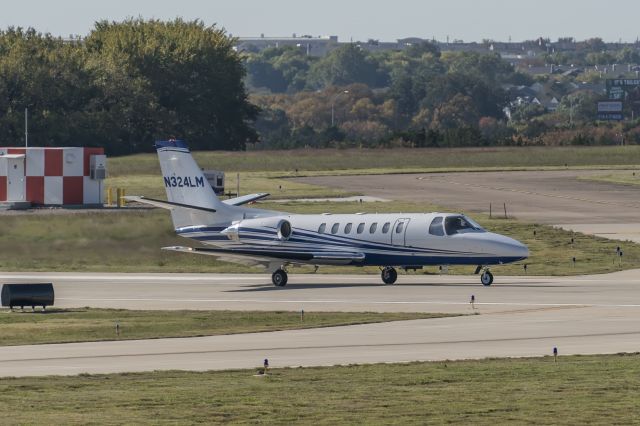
x: 399, y: 232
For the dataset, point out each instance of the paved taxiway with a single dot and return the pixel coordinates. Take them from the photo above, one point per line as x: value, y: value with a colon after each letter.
x: 520, y: 316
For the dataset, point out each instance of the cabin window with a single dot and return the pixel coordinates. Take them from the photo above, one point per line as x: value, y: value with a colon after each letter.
x: 347, y: 228
x: 399, y: 228
x: 385, y: 227
x: 322, y: 228
x: 334, y: 228
x: 360, y: 228
x: 373, y: 227
x: 436, y: 227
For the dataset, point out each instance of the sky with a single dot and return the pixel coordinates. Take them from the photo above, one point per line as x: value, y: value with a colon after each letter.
x: 357, y: 20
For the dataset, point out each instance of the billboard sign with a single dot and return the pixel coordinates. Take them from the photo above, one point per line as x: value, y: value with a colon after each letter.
x: 617, y: 88
x: 623, y: 82
x: 610, y: 116
x: 611, y: 106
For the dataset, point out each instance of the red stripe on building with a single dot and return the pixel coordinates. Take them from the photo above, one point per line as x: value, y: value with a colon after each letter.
x: 3, y: 188
x: 72, y: 190
x: 16, y: 151
x: 35, y: 189
x: 88, y: 152
x: 53, y: 162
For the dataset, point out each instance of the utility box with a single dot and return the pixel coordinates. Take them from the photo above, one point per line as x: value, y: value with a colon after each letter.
x: 216, y: 180
x: 98, y: 167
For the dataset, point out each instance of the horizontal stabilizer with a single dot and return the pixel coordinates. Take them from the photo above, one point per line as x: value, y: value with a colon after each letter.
x: 169, y: 205
x: 238, y: 201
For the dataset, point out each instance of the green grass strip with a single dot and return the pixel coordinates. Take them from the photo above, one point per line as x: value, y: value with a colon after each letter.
x: 575, y: 390
x: 84, y: 325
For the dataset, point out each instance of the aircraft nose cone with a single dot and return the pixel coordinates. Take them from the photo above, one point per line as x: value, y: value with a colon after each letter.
x: 509, y: 247
x: 523, y: 250
x: 516, y: 249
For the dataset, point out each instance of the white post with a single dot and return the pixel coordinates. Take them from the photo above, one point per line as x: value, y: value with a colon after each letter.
x: 26, y: 127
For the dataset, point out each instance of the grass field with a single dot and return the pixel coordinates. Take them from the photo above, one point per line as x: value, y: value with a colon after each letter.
x: 130, y: 241
x: 309, y: 160
x: 152, y: 186
x: 576, y: 390
x: 265, y: 171
x: 88, y: 325
x: 626, y: 177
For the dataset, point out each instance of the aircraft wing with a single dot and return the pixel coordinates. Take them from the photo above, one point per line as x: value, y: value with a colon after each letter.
x: 225, y: 257
x: 169, y: 205
x: 265, y: 255
x: 238, y: 201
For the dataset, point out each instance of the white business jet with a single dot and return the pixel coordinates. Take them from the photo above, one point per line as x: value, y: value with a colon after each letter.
x: 278, y: 240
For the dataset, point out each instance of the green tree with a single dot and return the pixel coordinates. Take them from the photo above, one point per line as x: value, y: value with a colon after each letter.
x: 527, y: 112
x: 44, y: 74
x: 456, y: 112
x: 628, y: 55
x: 421, y: 49
x: 487, y: 100
x: 346, y: 65
x: 192, y: 77
x: 294, y: 65
x: 262, y: 73
x: 279, y: 69
x: 125, y: 85
x: 411, y: 81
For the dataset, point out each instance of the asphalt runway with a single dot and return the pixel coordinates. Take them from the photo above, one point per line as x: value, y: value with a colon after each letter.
x: 547, y: 197
x: 519, y: 316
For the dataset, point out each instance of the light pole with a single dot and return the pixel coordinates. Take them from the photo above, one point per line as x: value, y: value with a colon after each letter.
x: 333, y: 106
x: 26, y: 127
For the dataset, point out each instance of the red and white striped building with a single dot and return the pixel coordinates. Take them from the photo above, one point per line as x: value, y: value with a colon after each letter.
x: 52, y: 176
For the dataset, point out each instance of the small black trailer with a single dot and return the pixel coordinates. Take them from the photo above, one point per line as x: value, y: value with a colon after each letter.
x: 22, y: 295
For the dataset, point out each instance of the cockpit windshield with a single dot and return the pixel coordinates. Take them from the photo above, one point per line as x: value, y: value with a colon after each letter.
x: 460, y: 225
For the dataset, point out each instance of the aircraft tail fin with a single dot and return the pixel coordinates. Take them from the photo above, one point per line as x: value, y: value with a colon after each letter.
x: 186, y: 185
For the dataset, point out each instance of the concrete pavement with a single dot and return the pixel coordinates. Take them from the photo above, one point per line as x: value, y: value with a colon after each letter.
x: 523, y: 316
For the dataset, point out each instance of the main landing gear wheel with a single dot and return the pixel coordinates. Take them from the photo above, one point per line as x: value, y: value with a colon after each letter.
x: 279, y: 278
x: 389, y: 275
x: 486, y: 278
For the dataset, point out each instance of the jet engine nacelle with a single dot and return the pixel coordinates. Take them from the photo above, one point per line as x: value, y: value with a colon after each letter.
x: 260, y: 230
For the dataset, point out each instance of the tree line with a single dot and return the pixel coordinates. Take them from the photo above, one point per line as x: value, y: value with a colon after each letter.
x: 129, y: 83
x: 123, y: 86
x: 419, y: 97
x: 420, y: 94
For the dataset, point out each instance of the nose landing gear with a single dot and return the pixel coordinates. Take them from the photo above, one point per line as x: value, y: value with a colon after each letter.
x: 486, y: 278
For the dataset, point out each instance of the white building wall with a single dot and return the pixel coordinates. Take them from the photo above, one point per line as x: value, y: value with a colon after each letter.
x: 93, y: 191
x: 73, y: 162
x: 53, y: 189
x: 35, y: 162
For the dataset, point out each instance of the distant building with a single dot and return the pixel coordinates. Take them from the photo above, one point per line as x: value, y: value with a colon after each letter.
x: 52, y: 176
x: 313, y: 46
x: 514, y: 52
